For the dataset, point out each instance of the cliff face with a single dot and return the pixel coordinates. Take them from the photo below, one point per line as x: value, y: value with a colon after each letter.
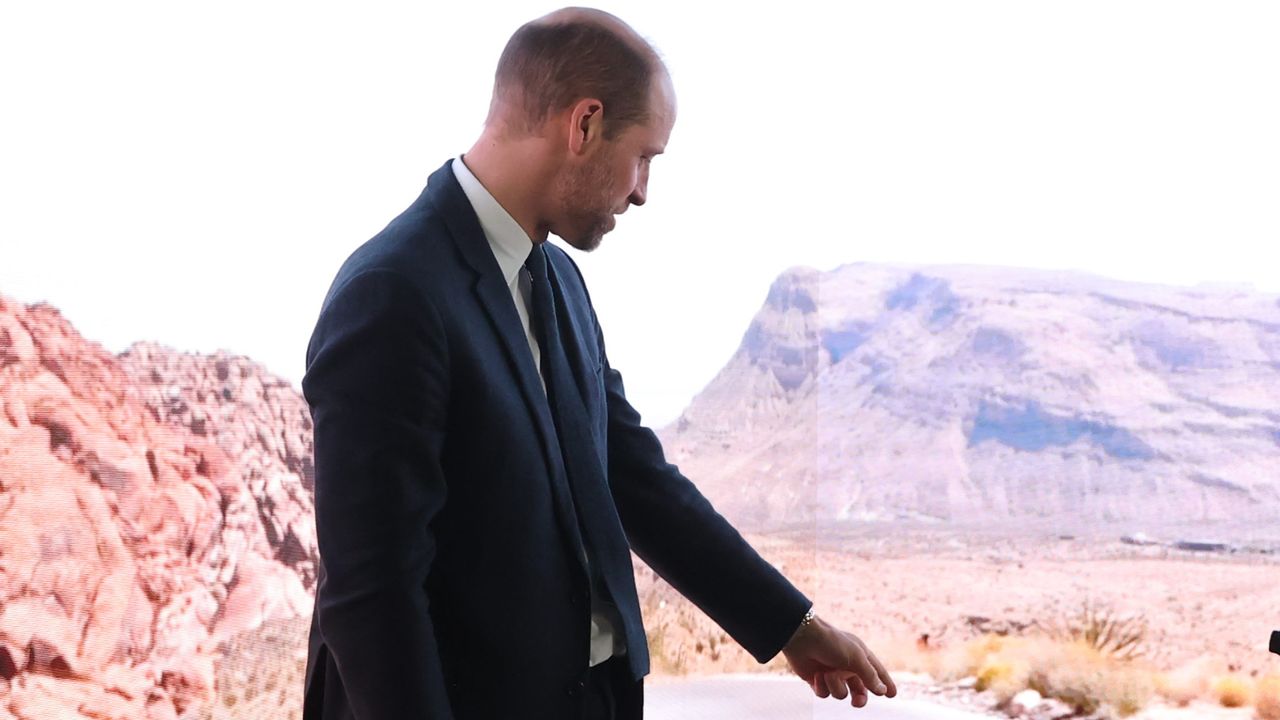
x: 972, y: 394
x: 152, y: 507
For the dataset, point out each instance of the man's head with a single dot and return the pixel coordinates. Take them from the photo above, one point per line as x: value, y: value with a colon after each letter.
x: 591, y: 103
x: 551, y: 63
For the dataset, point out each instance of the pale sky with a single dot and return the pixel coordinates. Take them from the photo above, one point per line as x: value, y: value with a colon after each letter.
x: 195, y: 173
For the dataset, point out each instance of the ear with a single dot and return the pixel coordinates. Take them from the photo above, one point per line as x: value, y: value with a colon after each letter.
x: 586, y: 125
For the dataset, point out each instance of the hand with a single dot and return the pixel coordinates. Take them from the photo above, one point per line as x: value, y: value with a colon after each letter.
x: 836, y: 663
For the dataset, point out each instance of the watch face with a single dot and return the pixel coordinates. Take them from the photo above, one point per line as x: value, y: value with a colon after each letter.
x: 1275, y: 641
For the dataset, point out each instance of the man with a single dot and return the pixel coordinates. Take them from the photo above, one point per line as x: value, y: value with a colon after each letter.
x: 480, y: 475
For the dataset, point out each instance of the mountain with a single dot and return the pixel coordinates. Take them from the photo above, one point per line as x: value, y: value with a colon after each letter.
x: 971, y: 394
x: 154, y: 507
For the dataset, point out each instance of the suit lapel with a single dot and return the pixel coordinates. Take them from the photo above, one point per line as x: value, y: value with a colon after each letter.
x: 494, y: 297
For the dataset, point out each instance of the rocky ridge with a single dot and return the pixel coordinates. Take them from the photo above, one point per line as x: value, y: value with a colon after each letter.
x: 153, y: 506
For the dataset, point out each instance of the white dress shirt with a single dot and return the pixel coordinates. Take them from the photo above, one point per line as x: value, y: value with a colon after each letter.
x: 511, y: 247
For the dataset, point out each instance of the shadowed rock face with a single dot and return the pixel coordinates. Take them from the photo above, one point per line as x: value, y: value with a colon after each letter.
x: 1031, y: 429
x: 962, y: 393
x: 152, y: 506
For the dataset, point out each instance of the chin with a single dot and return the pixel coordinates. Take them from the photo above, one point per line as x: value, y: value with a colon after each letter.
x: 587, y: 241
x: 586, y: 244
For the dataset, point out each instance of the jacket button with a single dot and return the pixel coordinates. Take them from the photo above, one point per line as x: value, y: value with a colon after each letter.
x: 575, y: 689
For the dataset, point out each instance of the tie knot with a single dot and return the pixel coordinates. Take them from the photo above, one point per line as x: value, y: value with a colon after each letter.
x: 537, y: 262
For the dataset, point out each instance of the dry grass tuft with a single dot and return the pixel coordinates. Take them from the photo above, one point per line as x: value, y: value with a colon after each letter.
x: 1190, y: 681
x: 1232, y: 691
x: 1102, y: 628
x: 1266, y: 697
x: 1074, y: 672
x: 1088, y: 678
x: 1085, y: 677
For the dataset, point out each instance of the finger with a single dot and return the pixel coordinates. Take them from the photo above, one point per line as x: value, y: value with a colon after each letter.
x: 891, y: 690
x: 857, y: 691
x: 836, y: 684
x: 819, y: 685
x: 857, y: 660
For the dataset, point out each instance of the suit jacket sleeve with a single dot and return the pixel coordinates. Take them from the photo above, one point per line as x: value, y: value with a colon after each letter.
x: 674, y: 529
x: 377, y: 384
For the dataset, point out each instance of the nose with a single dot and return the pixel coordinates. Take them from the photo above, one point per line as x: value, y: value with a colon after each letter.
x: 641, y: 190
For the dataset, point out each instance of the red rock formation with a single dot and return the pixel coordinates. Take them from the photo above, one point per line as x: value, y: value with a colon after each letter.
x: 152, y: 505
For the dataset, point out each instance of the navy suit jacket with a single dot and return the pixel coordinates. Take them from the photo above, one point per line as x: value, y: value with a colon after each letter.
x: 452, y: 582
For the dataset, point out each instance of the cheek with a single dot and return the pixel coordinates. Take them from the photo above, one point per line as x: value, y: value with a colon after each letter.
x: 607, y: 184
x: 628, y: 176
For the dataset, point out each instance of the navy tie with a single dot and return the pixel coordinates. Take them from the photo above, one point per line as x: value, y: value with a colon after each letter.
x: 607, y: 549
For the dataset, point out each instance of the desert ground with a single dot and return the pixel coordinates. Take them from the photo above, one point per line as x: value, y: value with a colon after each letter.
x: 922, y: 598
x: 1204, y: 617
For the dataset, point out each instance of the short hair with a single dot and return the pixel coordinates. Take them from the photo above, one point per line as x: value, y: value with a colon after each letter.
x: 547, y: 67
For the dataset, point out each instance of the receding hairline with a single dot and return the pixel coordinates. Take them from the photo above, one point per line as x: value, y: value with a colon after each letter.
x: 611, y: 23
x: 508, y: 91
x: 602, y: 20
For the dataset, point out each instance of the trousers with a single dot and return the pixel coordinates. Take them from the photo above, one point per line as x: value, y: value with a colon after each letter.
x: 611, y: 693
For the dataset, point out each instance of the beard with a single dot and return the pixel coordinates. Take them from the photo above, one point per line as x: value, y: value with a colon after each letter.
x: 585, y: 199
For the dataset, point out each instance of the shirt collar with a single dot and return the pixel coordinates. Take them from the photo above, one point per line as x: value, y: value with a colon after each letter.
x: 510, y: 244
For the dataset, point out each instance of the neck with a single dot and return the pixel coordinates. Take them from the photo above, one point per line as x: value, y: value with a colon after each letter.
x: 514, y: 172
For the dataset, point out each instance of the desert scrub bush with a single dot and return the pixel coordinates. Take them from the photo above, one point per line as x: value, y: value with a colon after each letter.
x: 1102, y: 628
x: 981, y: 650
x: 1177, y: 689
x: 1070, y: 672
x: 1266, y: 698
x: 1232, y: 691
x: 1004, y: 676
x: 996, y: 662
x: 1190, y: 680
x: 954, y: 662
x: 1129, y: 691
x: 1076, y: 672
x: 1087, y: 679
x: 993, y: 672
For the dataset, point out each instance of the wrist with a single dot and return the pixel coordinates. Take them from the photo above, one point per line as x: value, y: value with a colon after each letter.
x: 806, y: 624
x: 809, y: 617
